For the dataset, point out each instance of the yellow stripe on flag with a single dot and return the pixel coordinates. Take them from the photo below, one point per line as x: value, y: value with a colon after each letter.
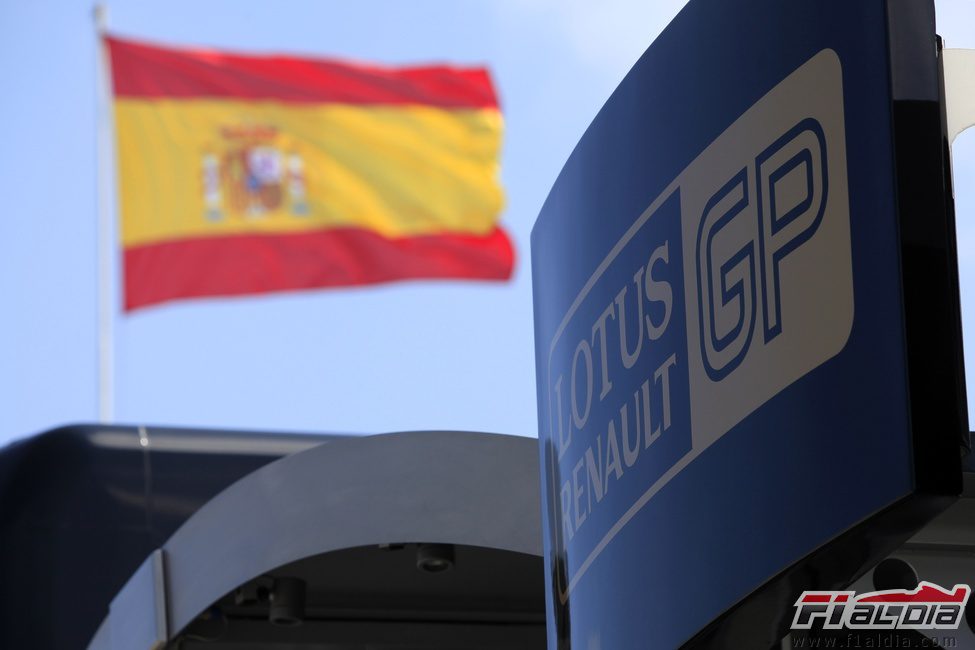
x: 187, y: 168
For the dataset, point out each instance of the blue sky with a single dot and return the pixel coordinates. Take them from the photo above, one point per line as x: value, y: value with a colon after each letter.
x: 396, y: 357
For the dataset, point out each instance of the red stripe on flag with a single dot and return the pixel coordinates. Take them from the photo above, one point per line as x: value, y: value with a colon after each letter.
x: 253, y: 264
x: 149, y: 71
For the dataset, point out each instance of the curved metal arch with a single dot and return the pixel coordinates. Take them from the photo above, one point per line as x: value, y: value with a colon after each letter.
x: 438, y: 486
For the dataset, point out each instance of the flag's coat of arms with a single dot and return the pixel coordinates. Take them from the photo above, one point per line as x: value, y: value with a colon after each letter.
x: 251, y: 173
x: 246, y: 174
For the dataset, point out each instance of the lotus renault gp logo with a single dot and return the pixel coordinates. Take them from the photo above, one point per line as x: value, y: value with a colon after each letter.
x: 928, y: 607
x: 734, y: 283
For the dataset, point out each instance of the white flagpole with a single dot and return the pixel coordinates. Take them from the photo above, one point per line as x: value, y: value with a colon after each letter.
x: 106, y: 351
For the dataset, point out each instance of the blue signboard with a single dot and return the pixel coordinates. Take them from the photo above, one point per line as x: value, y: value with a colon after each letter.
x: 723, y: 384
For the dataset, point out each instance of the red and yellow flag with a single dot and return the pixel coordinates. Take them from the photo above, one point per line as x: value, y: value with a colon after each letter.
x: 247, y: 174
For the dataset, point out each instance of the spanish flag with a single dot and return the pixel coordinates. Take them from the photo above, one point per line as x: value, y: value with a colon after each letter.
x: 249, y: 174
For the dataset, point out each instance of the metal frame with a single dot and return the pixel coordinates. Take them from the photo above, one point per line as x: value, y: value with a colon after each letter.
x: 443, y: 487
